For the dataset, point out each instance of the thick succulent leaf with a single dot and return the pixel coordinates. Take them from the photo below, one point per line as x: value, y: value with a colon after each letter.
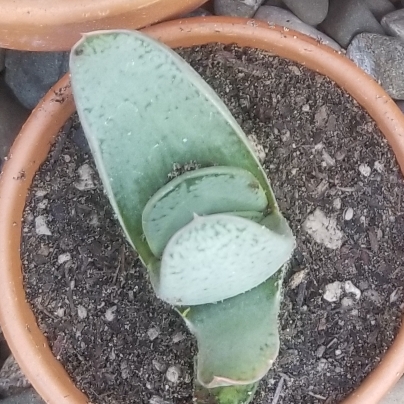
x: 217, y: 257
x: 144, y: 109
x: 238, y: 338
x: 242, y: 394
x: 202, y: 192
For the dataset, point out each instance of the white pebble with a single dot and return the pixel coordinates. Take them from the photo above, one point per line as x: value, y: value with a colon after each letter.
x: 337, y: 203
x: 64, y: 258
x: 41, y: 192
x: 297, y: 279
x: 378, y: 166
x: 81, y: 312
x: 324, y: 230
x: 348, y: 214
x: 85, y: 181
x: 43, y: 204
x: 333, y: 292
x: 365, y: 170
x: 153, y: 333
x: 173, y: 374
x: 41, y: 228
x: 110, y: 313
x: 60, y: 312
x: 350, y: 288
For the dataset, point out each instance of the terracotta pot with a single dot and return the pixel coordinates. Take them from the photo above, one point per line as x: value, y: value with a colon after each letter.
x: 55, y: 25
x: 32, y: 146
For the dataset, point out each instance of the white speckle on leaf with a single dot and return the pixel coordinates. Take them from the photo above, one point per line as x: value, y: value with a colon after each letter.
x: 365, y: 170
x: 85, y: 181
x: 64, y: 258
x: 81, y: 312
x: 348, y: 214
x: 173, y: 374
x: 333, y: 292
x: 110, y: 313
x: 324, y: 230
x: 41, y: 228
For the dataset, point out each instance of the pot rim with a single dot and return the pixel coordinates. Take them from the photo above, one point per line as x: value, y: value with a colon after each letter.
x: 32, y: 145
x: 56, y: 25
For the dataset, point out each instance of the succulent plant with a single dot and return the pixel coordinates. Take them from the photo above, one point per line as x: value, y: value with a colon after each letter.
x: 192, y: 199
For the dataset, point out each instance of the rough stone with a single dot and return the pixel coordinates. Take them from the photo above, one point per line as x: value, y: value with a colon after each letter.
x: 324, y: 230
x: 276, y: 3
x: 237, y: 8
x: 29, y: 396
x: 312, y: 12
x: 31, y: 74
x: 12, y: 380
x: 393, y: 23
x: 400, y: 105
x: 199, y: 12
x: 2, y: 58
x: 12, y: 117
x: 284, y: 18
x: 380, y: 8
x: 347, y: 18
x: 396, y: 394
x: 381, y: 57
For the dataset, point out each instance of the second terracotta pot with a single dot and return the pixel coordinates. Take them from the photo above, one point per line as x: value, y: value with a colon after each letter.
x: 27, y: 342
x: 56, y: 25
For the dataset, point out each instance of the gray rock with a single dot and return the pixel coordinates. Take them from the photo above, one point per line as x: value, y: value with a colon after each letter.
x: 199, y: 12
x: 31, y: 74
x: 347, y: 18
x: 276, y: 3
x: 393, y: 23
x: 12, y: 380
x: 312, y: 12
x: 27, y: 397
x: 379, y: 8
x: 284, y: 18
x: 382, y: 57
x: 400, y: 105
x: 2, y: 58
x: 236, y: 8
x: 12, y: 117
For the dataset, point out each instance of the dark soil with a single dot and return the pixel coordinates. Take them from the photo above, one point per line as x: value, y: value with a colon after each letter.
x: 322, y: 151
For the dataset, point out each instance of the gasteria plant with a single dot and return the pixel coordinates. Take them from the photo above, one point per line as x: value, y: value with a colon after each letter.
x: 212, y: 238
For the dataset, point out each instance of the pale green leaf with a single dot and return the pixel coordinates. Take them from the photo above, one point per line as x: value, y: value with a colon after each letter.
x: 217, y: 257
x: 144, y: 109
x: 202, y: 192
x: 238, y: 338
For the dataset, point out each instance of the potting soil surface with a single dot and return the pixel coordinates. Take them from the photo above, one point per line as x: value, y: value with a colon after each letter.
x: 329, y: 166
